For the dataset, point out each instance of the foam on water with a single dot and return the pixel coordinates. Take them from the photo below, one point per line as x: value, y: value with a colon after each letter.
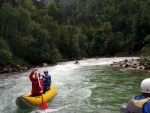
x: 76, y: 83
x: 104, y: 61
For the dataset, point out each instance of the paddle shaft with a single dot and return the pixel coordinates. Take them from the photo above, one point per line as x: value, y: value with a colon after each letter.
x: 44, y: 104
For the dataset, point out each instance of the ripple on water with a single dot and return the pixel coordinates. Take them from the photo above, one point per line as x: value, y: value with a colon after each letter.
x: 90, y: 87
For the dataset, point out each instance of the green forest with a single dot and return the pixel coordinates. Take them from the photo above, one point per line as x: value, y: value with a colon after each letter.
x: 32, y: 32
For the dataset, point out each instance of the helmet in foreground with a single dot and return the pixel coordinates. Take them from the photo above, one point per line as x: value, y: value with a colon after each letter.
x: 145, y: 85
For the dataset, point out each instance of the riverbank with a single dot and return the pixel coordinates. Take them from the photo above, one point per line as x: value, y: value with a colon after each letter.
x: 142, y: 63
x: 19, y: 68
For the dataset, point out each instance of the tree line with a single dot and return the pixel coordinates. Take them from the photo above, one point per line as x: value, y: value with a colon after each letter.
x: 32, y: 32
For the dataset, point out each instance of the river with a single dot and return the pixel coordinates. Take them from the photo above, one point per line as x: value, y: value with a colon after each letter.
x: 89, y: 87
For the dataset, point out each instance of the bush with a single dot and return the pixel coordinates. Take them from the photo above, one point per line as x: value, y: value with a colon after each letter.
x: 18, y: 61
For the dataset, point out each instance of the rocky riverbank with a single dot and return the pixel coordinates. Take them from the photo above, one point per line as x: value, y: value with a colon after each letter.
x: 19, y: 68
x: 14, y: 68
x: 140, y: 64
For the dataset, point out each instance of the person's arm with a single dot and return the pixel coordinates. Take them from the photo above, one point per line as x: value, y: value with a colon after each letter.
x: 46, y: 77
x: 31, y: 74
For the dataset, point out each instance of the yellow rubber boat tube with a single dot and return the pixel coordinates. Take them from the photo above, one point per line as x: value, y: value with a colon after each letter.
x: 37, y: 100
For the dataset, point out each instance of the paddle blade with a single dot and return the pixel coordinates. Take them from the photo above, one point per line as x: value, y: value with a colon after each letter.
x: 44, y: 105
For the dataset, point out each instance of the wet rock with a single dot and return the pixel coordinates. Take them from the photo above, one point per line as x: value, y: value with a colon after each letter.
x: 132, y: 64
x: 12, y: 68
x: 76, y: 62
x: 45, y: 64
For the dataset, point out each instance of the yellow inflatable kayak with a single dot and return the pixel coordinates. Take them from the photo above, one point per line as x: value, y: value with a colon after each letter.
x: 28, y: 102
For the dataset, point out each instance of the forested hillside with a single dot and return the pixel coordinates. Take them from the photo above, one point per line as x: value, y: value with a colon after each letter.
x: 32, y: 32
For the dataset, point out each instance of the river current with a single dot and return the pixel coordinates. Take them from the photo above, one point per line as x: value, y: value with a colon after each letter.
x: 89, y: 87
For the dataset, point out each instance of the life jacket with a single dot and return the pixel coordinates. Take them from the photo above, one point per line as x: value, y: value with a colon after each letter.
x: 135, y: 106
x: 36, y: 87
x: 47, y: 81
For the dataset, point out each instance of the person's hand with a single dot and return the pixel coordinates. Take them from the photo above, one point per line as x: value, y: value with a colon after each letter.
x: 41, y: 91
x: 44, y: 79
x: 35, y: 69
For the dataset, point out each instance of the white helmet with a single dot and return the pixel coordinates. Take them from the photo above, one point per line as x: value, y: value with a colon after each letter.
x: 145, y: 85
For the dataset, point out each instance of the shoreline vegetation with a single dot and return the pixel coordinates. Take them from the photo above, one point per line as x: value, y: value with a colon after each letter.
x: 143, y: 63
x: 33, y: 33
x: 19, y: 68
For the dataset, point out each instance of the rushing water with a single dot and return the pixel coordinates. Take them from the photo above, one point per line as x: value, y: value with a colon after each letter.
x: 89, y: 87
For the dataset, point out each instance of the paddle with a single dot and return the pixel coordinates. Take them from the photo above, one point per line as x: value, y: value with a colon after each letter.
x: 43, y: 104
